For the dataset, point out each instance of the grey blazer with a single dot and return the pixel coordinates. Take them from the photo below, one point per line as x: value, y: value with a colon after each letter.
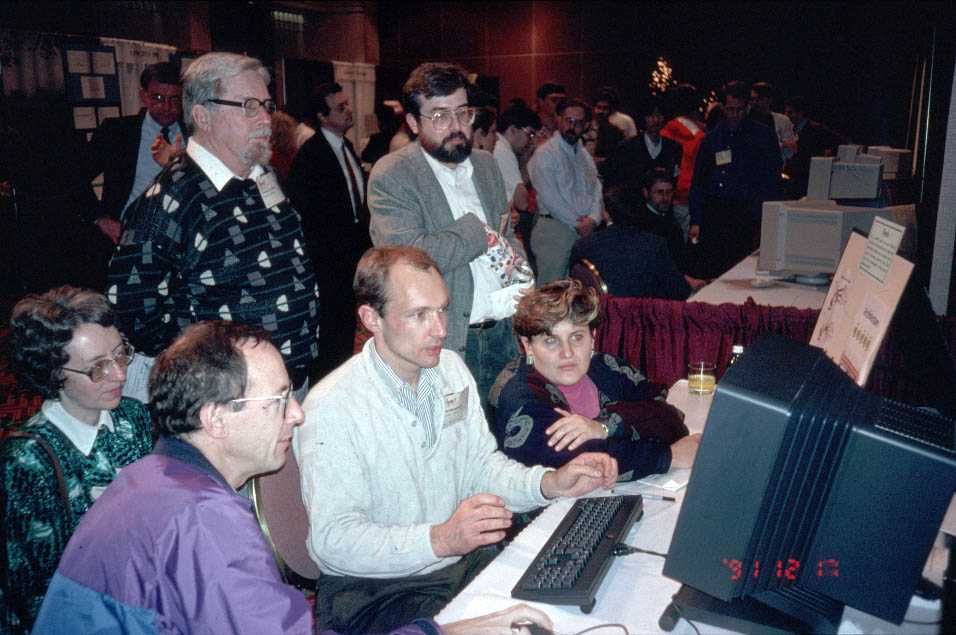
x: 408, y: 207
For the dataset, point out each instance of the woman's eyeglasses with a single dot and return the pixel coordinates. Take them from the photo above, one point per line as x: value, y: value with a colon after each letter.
x: 103, y: 368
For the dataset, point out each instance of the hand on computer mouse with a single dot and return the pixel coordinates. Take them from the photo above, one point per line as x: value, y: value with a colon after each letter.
x: 520, y: 619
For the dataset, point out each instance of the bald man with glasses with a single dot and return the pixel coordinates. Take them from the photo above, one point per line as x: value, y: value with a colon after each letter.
x: 215, y: 238
x: 441, y: 196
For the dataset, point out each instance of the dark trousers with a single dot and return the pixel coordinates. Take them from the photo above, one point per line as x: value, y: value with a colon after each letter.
x: 729, y: 232
x: 487, y: 351
x: 362, y: 606
x: 337, y: 322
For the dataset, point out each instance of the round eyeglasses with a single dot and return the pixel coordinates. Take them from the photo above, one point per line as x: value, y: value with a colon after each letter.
x: 250, y: 105
x: 283, y: 400
x: 441, y: 119
x: 104, y: 368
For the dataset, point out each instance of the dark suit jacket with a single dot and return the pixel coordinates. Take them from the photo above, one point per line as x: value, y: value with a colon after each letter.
x: 630, y: 161
x: 751, y: 177
x: 319, y: 191
x: 113, y: 150
x: 633, y: 263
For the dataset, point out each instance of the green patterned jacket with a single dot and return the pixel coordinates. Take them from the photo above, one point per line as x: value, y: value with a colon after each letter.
x: 37, y: 526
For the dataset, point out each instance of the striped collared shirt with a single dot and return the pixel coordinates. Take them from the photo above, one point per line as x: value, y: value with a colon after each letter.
x: 424, y: 402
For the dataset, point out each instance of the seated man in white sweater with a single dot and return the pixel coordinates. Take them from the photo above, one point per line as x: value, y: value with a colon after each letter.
x: 401, y: 476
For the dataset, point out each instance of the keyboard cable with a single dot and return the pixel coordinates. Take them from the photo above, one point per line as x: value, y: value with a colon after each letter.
x: 622, y: 549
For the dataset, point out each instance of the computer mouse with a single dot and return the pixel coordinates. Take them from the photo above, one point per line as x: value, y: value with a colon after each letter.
x: 531, y: 627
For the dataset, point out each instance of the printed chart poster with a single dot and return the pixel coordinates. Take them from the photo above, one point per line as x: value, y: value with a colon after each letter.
x: 865, y: 335
x: 858, y: 308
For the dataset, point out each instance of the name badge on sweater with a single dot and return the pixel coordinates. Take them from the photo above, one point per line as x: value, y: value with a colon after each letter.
x: 723, y: 157
x: 269, y: 189
x: 456, y: 405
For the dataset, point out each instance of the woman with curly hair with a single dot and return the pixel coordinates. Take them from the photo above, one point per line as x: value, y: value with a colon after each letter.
x: 566, y: 399
x: 65, y: 346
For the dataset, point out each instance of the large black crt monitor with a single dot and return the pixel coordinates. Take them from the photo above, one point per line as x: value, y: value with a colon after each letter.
x: 809, y: 494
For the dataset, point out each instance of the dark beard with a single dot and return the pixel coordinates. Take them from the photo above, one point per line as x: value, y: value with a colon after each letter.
x: 456, y: 155
x: 571, y: 137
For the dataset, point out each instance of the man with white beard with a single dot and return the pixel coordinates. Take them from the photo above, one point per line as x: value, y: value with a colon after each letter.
x: 215, y: 237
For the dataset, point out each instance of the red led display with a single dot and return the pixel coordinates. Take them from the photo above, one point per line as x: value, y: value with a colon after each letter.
x: 782, y: 569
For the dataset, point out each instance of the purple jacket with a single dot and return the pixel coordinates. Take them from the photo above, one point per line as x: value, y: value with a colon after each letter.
x: 170, y: 547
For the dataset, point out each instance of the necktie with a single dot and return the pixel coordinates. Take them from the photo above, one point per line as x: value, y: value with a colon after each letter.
x: 353, y: 183
x: 165, y: 132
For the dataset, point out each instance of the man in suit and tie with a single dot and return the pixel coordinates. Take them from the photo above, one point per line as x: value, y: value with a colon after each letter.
x: 327, y: 187
x: 131, y: 151
x: 441, y: 196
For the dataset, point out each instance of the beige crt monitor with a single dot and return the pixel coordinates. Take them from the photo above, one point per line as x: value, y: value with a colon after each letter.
x: 808, y: 237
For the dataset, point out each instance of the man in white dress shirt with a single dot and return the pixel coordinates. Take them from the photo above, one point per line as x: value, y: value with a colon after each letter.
x: 569, y: 192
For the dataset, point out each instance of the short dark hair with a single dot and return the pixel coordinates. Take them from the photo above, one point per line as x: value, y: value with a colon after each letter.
x: 203, y: 365
x: 610, y: 95
x: 656, y: 175
x: 42, y: 326
x: 797, y: 102
x: 317, y: 101
x: 432, y: 79
x: 371, y: 273
x: 573, y: 102
x: 623, y: 203
x: 763, y: 89
x: 162, y: 72
x: 539, y: 310
x: 484, y: 119
x: 519, y: 116
x: 736, y: 89
x: 551, y: 88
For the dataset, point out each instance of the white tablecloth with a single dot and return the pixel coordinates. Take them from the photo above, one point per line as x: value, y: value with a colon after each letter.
x: 735, y: 286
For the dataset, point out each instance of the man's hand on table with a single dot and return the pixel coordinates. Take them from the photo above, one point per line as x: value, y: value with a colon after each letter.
x: 507, y: 622
x: 478, y: 521
x: 584, y: 473
x: 684, y: 452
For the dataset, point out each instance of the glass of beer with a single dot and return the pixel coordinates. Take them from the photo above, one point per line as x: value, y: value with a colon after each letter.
x: 700, y: 378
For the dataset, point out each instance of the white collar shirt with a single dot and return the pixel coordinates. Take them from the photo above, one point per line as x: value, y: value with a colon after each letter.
x: 338, y: 147
x: 653, y: 148
x: 423, y: 400
x: 490, y: 301
x: 80, y: 434
x: 213, y: 167
x: 508, y: 164
x: 566, y: 181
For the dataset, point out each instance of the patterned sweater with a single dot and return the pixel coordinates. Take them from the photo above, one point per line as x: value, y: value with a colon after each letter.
x: 36, y: 525
x: 191, y: 252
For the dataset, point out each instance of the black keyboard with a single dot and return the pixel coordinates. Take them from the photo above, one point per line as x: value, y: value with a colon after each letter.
x: 571, y: 565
